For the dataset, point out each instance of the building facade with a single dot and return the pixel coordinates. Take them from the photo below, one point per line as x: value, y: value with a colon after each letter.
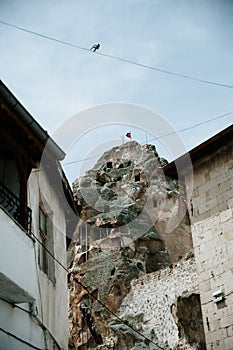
x: 209, y: 184
x: 35, y: 219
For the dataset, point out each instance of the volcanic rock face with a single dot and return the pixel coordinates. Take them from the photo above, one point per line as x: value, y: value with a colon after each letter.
x: 132, y: 222
x: 188, y: 317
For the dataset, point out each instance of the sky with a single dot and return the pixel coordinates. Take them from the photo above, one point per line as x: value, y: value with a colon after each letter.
x: 87, y: 101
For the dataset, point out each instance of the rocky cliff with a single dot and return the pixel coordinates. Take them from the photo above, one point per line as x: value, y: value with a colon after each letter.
x: 133, y: 222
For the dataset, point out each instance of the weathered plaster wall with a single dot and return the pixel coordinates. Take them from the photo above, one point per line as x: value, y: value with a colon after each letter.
x: 24, y: 282
x: 153, y: 295
x: 52, y: 298
x: 211, y: 213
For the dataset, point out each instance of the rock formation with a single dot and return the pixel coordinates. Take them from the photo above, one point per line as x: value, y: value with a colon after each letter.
x: 133, y: 222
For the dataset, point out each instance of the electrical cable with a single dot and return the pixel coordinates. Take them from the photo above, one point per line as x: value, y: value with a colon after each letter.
x: 193, y: 126
x: 94, y: 297
x: 20, y: 339
x: 162, y: 136
x: 48, y: 251
x: 81, y: 160
x: 181, y: 75
x: 38, y: 281
x: 40, y: 294
x: 37, y: 270
x: 115, y: 315
x: 36, y: 318
x: 15, y: 305
x: 44, y: 36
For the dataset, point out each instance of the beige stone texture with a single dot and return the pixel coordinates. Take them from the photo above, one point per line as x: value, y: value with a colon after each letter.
x: 154, y: 294
x: 212, y: 232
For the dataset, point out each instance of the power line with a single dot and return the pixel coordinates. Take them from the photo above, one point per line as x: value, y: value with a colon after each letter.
x: 20, y: 339
x: 117, y: 317
x: 44, y: 36
x: 40, y: 322
x: 181, y: 75
x: 48, y: 251
x: 81, y: 160
x: 15, y: 305
x: 193, y: 126
x: 162, y: 136
x: 94, y: 297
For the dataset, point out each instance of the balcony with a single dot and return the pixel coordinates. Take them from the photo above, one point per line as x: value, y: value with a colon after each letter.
x: 17, y: 263
x: 12, y: 204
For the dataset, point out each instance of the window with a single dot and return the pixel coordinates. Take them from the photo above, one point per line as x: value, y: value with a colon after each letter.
x: 43, y: 254
x: 45, y: 260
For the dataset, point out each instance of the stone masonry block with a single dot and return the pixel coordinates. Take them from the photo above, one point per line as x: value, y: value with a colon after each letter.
x: 228, y: 343
x: 224, y: 186
x: 227, y: 226
x: 226, y: 321
x: 221, y: 206
x: 228, y: 282
x: 230, y: 203
x: 228, y: 235
x: 205, y: 215
x: 212, y: 337
x: 199, y: 179
x: 206, y: 186
x: 226, y: 215
x: 226, y: 196
x: 206, y: 297
x: 230, y: 331
x: 208, y: 205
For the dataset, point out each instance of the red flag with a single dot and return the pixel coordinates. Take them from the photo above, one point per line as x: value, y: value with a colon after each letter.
x: 128, y: 134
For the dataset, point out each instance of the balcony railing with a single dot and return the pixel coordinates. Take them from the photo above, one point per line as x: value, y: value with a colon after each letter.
x: 11, y: 203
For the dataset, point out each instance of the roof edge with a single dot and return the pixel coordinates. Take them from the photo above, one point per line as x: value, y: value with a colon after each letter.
x: 200, y: 151
x: 30, y: 122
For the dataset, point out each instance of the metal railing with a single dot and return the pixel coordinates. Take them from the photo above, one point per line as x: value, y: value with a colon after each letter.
x: 11, y: 203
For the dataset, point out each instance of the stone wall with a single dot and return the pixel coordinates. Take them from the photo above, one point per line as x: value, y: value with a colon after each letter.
x: 211, y: 213
x: 154, y: 294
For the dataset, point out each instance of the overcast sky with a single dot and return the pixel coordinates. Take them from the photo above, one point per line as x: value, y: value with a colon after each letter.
x: 55, y: 81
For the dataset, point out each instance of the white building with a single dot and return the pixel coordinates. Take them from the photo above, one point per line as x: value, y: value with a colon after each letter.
x: 35, y: 220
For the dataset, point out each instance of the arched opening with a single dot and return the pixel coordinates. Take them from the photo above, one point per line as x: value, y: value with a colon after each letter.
x: 140, y: 266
